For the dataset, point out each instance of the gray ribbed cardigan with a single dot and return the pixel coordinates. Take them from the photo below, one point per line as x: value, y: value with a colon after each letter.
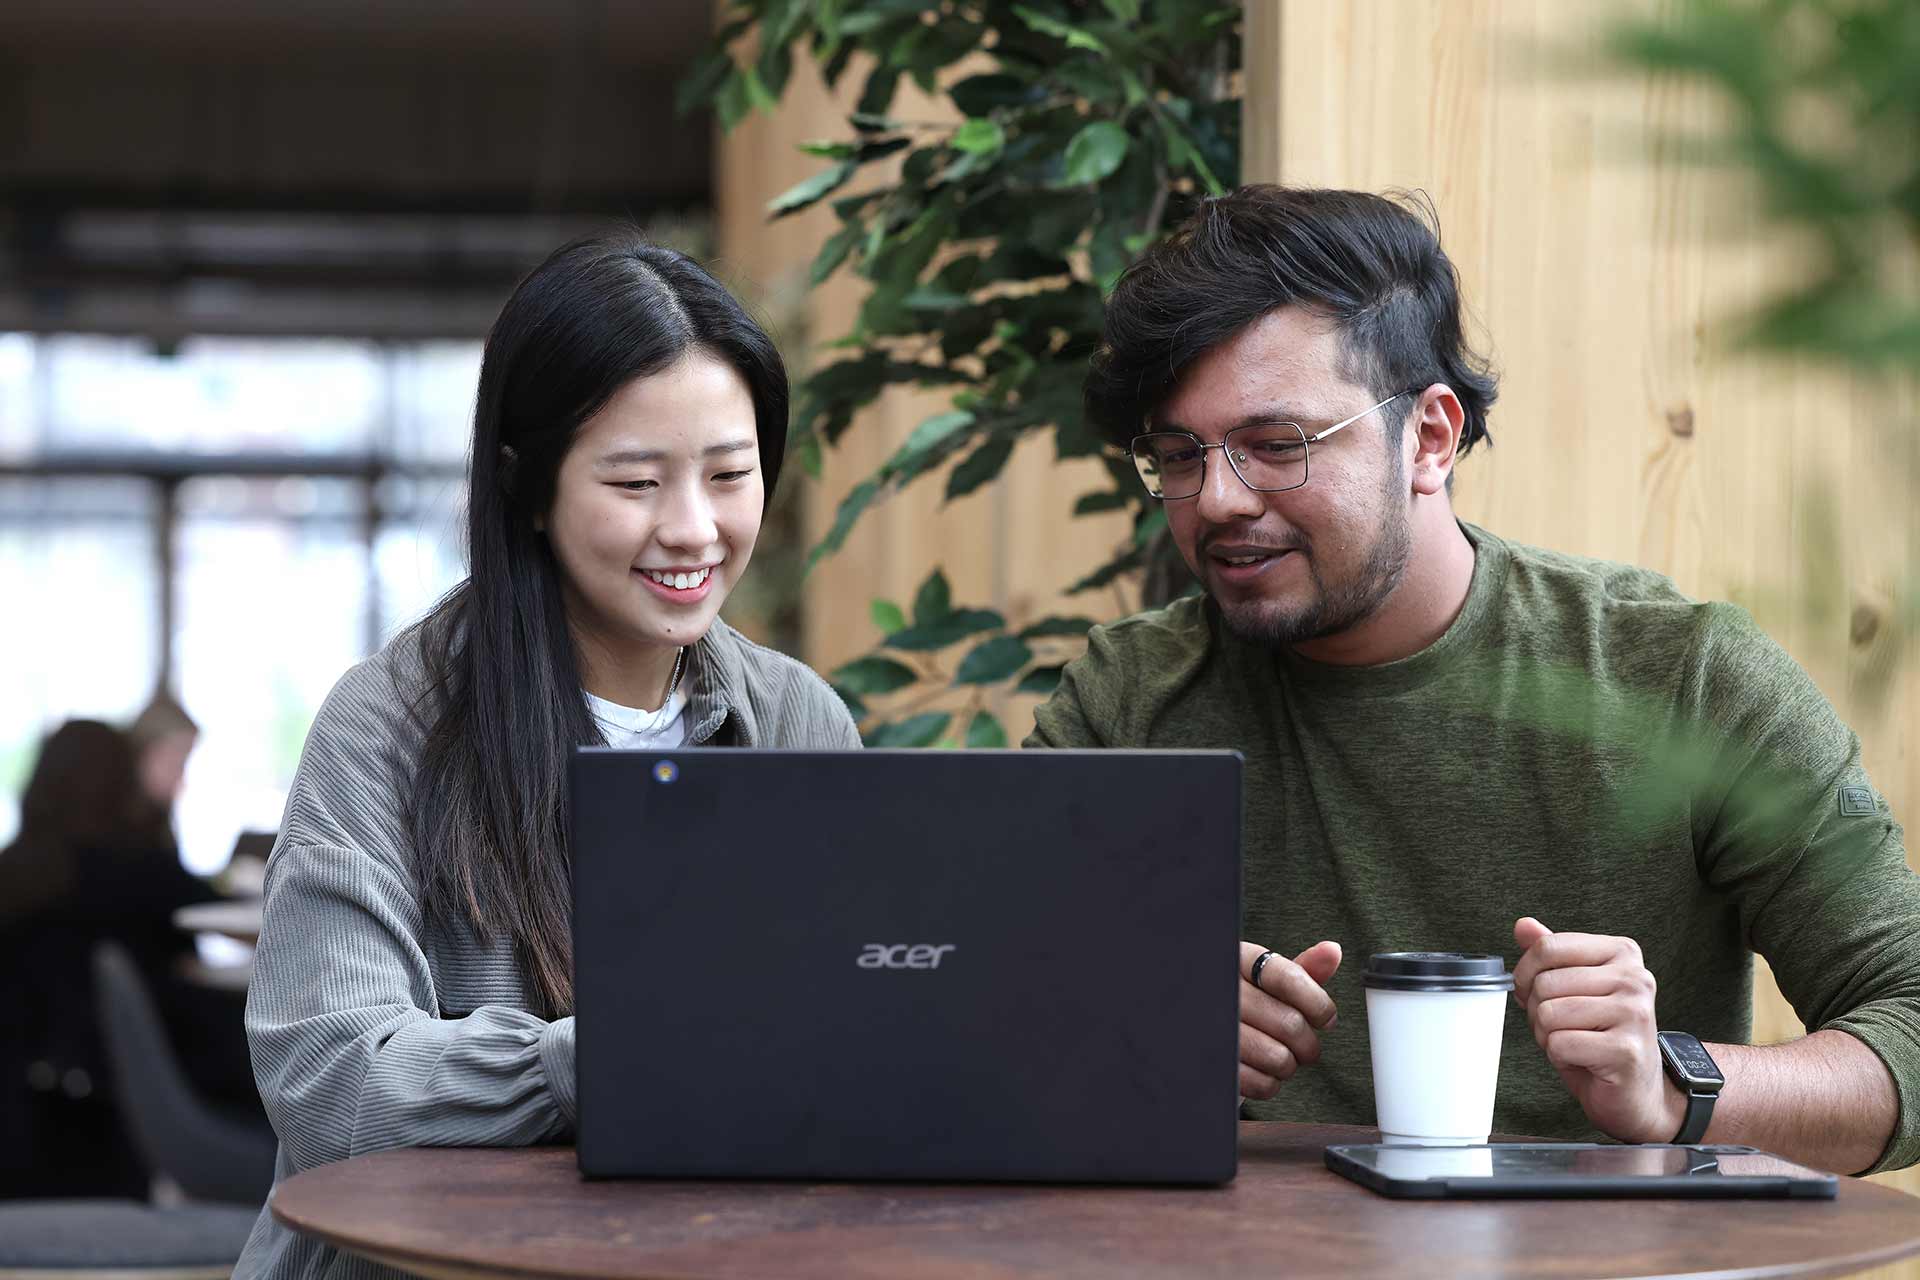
x: 370, y: 1030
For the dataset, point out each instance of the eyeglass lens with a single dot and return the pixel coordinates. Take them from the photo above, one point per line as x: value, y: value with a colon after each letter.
x: 1269, y: 457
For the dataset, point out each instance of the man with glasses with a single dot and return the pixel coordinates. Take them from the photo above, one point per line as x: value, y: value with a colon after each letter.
x: 1457, y: 742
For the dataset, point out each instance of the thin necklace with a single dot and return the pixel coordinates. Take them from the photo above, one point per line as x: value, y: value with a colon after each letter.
x: 679, y: 665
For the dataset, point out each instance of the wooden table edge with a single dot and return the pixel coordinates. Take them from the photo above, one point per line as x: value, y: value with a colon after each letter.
x: 411, y: 1263
x: 439, y: 1268
x: 442, y: 1269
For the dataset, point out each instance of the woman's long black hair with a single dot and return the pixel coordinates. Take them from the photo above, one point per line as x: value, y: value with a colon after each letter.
x: 503, y: 704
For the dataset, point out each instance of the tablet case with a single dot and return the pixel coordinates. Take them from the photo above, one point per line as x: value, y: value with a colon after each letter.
x: 1702, y: 1182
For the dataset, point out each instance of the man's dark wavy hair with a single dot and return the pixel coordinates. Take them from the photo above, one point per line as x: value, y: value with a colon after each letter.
x: 1371, y: 263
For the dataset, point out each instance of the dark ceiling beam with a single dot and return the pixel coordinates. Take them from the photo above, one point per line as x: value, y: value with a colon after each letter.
x: 189, y: 466
x: 636, y: 203
x: 62, y: 275
x: 237, y: 310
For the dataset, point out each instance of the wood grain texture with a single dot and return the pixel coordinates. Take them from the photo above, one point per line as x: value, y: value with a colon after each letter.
x: 1603, y: 273
x: 527, y: 1212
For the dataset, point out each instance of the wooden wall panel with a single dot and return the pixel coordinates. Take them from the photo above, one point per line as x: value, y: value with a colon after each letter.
x: 1602, y: 272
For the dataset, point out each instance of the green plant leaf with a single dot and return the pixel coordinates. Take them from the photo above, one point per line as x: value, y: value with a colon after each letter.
x: 978, y: 95
x: 1040, y: 680
x: 826, y: 21
x: 877, y: 96
x: 930, y: 435
x: 828, y: 149
x: 699, y: 86
x: 858, y: 500
x: 775, y: 65
x: 949, y: 630
x: 1058, y: 626
x: 994, y: 660
x: 1125, y: 10
x: 808, y: 191
x: 834, y: 252
x: 978, y: 137
x: 757, y: 95
x: 915, y: 731
x: 808, y: 451
x: 927, y: 298
x: 1149, y: 528
x: 1095, y: 152
x: 855, y: 707
x: 1075, y: 38
x: 1126, y: 562
x: 984, y: 732
x: 730, y: 104
x: 778, y: 18
x: 874, y: 674
x: 934, y: 600
x: 982, y: 465
x: 1104, y: 500
x: 887, y: 616
x: 1096, y: 80
x: 1182, y: 154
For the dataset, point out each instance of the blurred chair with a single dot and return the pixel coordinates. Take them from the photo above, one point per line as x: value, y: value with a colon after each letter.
x: 209, y: 1155
x: 120, y: 1240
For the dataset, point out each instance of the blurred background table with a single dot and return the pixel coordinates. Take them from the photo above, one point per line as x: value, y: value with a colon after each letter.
x: 238, y: 918
x: 527, y: 1212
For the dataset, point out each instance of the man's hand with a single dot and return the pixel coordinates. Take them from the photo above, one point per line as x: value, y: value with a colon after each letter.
x: 1589, y: 999
x: 1281, y: 1018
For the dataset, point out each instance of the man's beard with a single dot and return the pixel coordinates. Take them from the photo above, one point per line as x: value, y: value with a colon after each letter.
x: 1334, y: 607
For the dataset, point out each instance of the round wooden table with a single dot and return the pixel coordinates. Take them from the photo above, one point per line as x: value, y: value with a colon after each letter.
x: 527, y: 1212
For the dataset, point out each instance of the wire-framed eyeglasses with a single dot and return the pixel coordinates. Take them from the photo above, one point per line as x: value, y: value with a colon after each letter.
x: 1269, y: 457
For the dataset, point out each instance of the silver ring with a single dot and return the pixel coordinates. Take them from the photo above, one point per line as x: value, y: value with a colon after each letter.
x: 1260, y: 964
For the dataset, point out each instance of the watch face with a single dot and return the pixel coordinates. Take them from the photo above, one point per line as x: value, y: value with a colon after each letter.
x: 1689, y: 1060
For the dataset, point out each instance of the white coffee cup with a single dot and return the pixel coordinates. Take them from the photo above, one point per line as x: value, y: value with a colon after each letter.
x: 1434, y: 1023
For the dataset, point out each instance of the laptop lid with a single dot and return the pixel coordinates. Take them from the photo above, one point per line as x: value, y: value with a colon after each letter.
x: 993, y: 965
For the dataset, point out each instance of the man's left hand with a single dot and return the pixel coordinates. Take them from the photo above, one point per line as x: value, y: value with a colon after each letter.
x: 1589, y: 1000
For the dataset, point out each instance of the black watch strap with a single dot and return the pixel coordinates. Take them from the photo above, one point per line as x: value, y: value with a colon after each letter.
x: 1699, y: 1115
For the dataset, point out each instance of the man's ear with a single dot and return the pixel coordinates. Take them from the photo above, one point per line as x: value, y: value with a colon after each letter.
x: 1435, y: 424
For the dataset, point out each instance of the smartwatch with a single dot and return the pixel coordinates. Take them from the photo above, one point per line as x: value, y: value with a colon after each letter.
x: 1689, y: 1065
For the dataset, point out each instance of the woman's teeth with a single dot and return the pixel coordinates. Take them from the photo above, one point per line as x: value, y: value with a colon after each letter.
x: 679, y: 581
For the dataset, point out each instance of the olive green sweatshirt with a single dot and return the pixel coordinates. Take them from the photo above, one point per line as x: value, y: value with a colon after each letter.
x: 1584, y: 745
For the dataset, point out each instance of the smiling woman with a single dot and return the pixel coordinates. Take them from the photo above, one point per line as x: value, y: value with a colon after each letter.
x: 655, y: 513
x: 414, y: 980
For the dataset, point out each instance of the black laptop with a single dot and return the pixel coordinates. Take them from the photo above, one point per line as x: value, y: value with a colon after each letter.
x: 943, y: 965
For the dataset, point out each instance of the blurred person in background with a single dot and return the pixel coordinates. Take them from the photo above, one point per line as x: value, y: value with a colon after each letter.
x: 414, y: 980
x: 163, y: 737
x: 94, y: 860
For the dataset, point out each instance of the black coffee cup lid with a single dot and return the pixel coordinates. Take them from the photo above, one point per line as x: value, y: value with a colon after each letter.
x: 1436, y: 971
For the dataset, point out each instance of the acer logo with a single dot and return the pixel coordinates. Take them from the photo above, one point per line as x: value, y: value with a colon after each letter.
x: 904, y: 955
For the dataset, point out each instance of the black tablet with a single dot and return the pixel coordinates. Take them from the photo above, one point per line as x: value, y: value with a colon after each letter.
x: 1525, y: 1170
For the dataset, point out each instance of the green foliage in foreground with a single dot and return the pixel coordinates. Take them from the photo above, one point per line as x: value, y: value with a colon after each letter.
x: 1824, y: 99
